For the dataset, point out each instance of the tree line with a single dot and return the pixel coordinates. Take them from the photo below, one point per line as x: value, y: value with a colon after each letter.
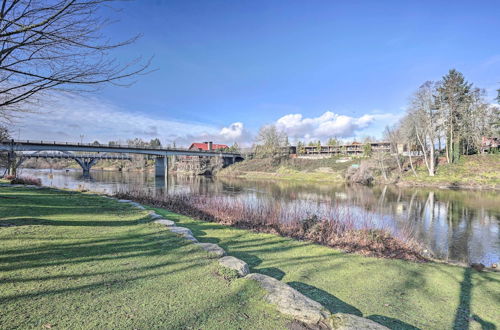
x: 446, y: 118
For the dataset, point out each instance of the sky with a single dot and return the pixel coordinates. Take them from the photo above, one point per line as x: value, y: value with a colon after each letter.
x: 315, y: 69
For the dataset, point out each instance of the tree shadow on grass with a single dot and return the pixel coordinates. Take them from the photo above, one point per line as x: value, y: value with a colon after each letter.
x: 336, y: 305
x: 29, y: 221
x: 463, y: 314
x: 85, y: 251
x: 329, y: 301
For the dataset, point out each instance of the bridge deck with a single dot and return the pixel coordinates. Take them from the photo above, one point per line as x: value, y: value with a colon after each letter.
x: 73, y: 156
x: 30, y: 145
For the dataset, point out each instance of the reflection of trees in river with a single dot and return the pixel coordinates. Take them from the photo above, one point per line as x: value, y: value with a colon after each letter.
x: 456, y: 225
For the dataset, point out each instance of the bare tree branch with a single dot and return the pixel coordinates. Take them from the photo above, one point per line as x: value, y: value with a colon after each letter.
x: 56, y: 44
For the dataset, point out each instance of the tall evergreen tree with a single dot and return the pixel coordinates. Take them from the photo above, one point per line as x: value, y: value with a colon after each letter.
x: 453, y: 99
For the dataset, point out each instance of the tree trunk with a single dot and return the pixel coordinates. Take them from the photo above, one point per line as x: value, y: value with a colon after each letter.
x: 432, y: 160
x: 411, y: 163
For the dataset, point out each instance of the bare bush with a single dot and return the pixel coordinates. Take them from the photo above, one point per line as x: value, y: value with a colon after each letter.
x: 327, y: 223
x: 27, y: 180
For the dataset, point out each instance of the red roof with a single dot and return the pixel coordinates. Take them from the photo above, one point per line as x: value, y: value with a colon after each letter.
x: 204, y: 146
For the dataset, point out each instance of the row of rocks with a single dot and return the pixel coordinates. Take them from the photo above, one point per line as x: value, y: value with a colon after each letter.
x: 286, y: 299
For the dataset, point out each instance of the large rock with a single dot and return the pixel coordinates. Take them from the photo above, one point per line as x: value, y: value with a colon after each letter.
x: 236, y: 264
x: 214, y: 251
x: 184, y: 232
x: 165, y: 222
x: 154, y: 216
x: 343, y: 321
x: 137, y: 205
x: 290, y: 301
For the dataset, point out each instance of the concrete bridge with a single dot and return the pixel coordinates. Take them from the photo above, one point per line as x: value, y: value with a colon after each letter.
x: 18, y: 150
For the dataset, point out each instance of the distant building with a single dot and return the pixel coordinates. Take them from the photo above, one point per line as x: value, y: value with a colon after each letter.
x: 488, y: 143
x: 206, y: 146
x: 352, y: 149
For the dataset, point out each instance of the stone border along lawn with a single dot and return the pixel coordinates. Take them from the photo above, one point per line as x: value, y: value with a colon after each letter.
x: 396, y: 293
x: 286, y: 299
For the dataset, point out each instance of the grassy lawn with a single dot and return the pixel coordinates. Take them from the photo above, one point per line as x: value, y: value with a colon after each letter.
x: 76, y: 261
x: 398, y: 294
x: 474, y: 170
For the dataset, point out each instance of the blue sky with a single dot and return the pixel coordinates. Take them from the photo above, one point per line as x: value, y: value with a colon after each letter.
x: 316, y: 68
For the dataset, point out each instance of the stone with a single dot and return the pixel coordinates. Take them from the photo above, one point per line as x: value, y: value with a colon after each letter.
x: 124, y: 201
x: 137, y: 205
x: 184, y: 232
x: 236, y: 264
x: 154, y: 216
x: 214, y: 251
x: 181, y: 230
x: 290, y: 301
x: 165, y: 222
x: 341, y: 321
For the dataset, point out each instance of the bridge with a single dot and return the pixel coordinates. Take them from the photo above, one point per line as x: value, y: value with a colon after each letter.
x: 19, y: 150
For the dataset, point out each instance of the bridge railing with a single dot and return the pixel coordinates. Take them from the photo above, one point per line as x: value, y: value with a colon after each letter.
x: 114, y: 146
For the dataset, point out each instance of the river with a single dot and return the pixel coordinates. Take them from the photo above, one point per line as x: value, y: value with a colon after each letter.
x: 457, y: 226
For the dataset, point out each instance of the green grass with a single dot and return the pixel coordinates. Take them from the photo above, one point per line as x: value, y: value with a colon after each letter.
x: 296, y: 169
x: 472, y: 171
x: 398, y: 294
x: 79, y: 261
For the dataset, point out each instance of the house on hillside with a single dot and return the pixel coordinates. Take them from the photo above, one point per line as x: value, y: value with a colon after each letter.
x: 489, y: 143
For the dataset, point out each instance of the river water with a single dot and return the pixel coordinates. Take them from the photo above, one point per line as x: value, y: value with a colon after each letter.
x: 458, y: 226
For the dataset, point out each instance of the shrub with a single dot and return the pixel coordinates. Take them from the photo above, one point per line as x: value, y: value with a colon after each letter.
x: 27, y: 180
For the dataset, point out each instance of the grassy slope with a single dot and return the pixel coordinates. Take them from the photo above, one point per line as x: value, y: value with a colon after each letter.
x: 471, y: 171
x: 81, y: 261
x: 401, y: 295
x: 475, y: 170
x: 292, y: 169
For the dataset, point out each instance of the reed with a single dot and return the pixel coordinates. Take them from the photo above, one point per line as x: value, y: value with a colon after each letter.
x: 327, y: 223
x: 27, y: 180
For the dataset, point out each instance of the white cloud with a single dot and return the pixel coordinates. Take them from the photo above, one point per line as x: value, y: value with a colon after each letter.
x: 67, y: 116
x: 328, y: 125
x: 234, y: 132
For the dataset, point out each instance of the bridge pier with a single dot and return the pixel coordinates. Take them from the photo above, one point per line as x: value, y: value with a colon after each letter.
x: 86, y: 164
x: 161, y: 167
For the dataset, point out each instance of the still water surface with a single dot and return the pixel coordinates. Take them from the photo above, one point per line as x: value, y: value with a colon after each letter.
x: 461, y: 226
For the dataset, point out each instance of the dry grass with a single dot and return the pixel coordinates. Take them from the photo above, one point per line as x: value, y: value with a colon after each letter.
x: 27, y: 180
x: 327, y: 223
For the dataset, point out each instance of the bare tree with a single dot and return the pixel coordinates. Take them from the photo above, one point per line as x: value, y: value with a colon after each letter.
x: 409, y: 137
x: 423, y: 116
x: 270, y: 142
x: 394, y: 136
x: 4, y: 133
x: 55, y: 44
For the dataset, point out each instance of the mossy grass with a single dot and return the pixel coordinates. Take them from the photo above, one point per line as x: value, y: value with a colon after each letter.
x: 481, y: 171
x: 395, y: 293
x: 80, y: 261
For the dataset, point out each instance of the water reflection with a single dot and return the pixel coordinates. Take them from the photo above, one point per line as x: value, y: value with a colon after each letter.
x: 455, y: 225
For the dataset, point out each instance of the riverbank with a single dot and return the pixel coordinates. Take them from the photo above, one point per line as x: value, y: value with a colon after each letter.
x: 313, y: 170
x: 71, y: 260
x: 471, y: 172
x: 396, y: 293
